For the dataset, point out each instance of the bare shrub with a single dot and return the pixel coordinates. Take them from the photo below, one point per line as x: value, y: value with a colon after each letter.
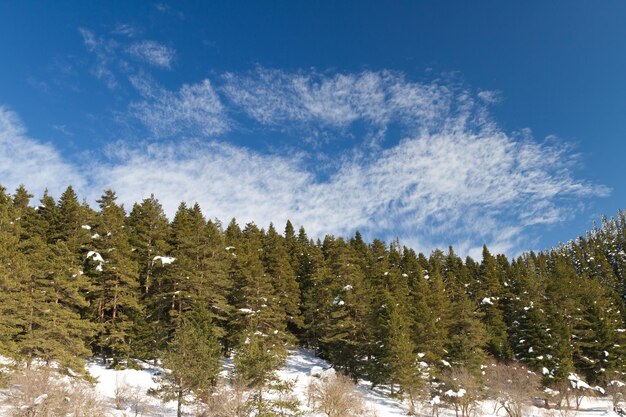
x: 617, y: 391
x: 512, y: 387
x: 121, y: 393
x: 336, y: 396
x: 228, y: 401
x: 41, y: 392
x: 131, y: 398
x: 462, y: 391
x: 572, y: 391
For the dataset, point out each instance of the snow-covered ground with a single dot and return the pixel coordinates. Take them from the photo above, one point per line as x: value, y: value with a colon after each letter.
x: 301, y: 367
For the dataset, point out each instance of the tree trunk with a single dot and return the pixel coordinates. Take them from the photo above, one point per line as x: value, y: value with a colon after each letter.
x: 179, y: 408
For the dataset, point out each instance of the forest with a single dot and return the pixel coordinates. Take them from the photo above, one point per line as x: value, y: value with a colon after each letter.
x: 78, y: 282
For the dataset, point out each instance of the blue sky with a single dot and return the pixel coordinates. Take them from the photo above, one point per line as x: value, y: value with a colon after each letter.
x: 438, y: 123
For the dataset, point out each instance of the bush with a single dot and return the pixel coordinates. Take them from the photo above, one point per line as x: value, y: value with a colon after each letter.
x: 617, y: 391
x: 512, y: 386
x: 228, y: 401
x: 43, y: 392
x: 131, y: 398
x: 336, y: 396
x: 462, y: 390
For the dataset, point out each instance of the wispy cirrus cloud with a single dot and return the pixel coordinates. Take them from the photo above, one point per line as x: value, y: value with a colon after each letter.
x: 454, y: 178
x: 278, y: 98
x: 126, y: 29
x: 195, y: 109
x: 105, y: 52
x: 456, y: 187
x: 153, y: 53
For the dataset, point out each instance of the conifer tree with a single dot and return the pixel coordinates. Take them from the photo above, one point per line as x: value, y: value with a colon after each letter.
x: 148, y: 232
x: 192, y: 358
x: 311, y: 272
x: 46, y: 291
x: 13, y: 271
x: 199, y: 274
x: 490, y: 293
x: 148, y: 236
x: 345, y: 310
x: 598, y: 342
x: 259, y: 312
x: 74, y: 225
x: 404, y: 369
x: 115, y: 296
x: 466, y: 335
x: 529, y: 329
x: 277, y: 265
x: 53, y: 294
x: 432, y: 306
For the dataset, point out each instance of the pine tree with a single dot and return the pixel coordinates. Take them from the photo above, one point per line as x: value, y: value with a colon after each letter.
x: 344, y: 332
x: 53, y: 296
x: 45, y: 291
x: 148, y: 236
x: 259, y: 312
x: 432, y: 307
x: 74, y: 225
x: 529, y: 329
x: 598, y: 341
x: 490, y: 295
x: 311, y: 272
x: 148, y: 229
x: 199, y: 274
x: 115, y: 296
x: 404, y: 369
x: 192, y: 358
x: 13, y: 271
x: 277, y: 265
x: 466, y: 335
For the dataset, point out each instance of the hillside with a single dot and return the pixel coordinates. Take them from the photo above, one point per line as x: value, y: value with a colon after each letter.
x: 78, y: 283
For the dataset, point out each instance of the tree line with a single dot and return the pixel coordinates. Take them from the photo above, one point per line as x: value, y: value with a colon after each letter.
x: 77, y: 282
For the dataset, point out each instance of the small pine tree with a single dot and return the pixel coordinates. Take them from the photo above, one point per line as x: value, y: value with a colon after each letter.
x: 192, y: 358
x: 402, y: 359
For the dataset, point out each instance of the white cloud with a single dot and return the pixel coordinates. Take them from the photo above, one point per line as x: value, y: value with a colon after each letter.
x: 455, y: 179
x: 153, y: 53
x: 26, y: 161
x: 125, y: 29
x: 453, y: 188
x: 104, y: 51
x: 226, y: 180
x: 490, y: 96
x: 194, y: 109
x: 278, y: 98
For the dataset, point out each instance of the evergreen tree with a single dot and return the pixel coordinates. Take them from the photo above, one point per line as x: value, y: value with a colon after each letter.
x: 115, y: 295
x: 277, y: 265
x: 192, y: 358
x: 311, y: 272
x: 490, y: 295
x: 466, y: 335
x: 259, y: 311
x: 433, y: 309
x: 404, y: 369
x: 13, y: 271
x: 344, y: 333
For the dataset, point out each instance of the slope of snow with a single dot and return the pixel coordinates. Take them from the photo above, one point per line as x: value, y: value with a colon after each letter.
x: 133, y: 382
x: 301, y: 367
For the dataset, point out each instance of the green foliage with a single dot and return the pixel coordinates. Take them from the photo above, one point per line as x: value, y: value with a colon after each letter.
x: 192, y: 358
x: 256, y: 360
